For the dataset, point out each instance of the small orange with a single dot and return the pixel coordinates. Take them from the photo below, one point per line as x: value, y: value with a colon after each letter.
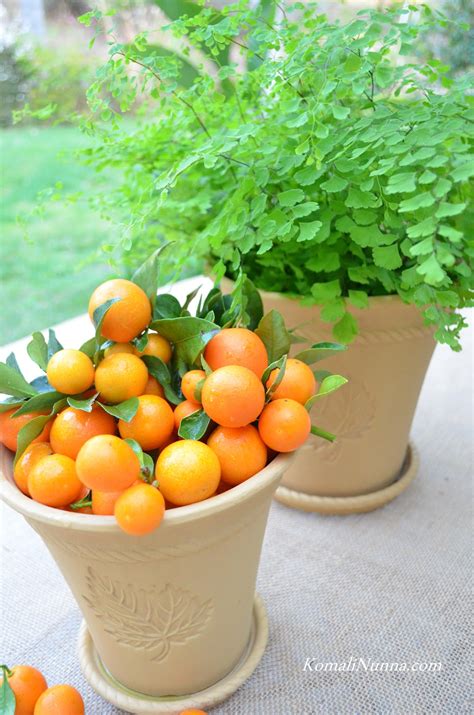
x: 120, y: 377
x: 70, y: 372
x: 27, y: 684
x: 184, y: 409
x: 103, y: 503
x: 31, y: 456
x: 284, y: 425
x: 107, y: 463
x: 298, y: 382
x: 233, y: 396
x: 189, y: 382
x: 152, y: 424
x: 72, y: 428
x: 10, y: 427
x: 153, y: 387
x: 60, y: 700
x: 237, y: 346
x: 53, y: 481
x: 240, y: 451
x: 120, y: 348
x: 139, y: 509
x: 157, y: 346
x: 126, y: 318
x: 187, y: 471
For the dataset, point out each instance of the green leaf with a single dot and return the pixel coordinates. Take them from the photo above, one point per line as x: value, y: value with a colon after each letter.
x: 309, y: 230
x: 401, y: 183
x: 424, y: 228
x: 279, y: 365
x: 9, y: 403
x: 419, y: 201
x: 84, y: 405
x: 147, y: 275
x: 89, y: 348
x: 387, y: 257
x: 189, y: 336
x: 329, y: 384
x: 427, y: 177
x: 339, y: 112
x: 423, y: 247
x: 12, y: 383
x: 276, y: 338
x: 194, y: 426
x: 125, y: 411
x: 358, y: 298
x: 463, y: 171
x: 7, y: 696
x: 447, y: 209
x: 358, y: 199
x: 449, y: 232
x: 305, y: 209
x: 290, y: 197
x: 431, y: 270
x: 98, y: 318
x: 54, y: 346
x: 318, y: 432
x: 166, y: 306
x: 319, y: 351
x: 12, y: 362
x: 326, y: 292
x: 345, y: 329
x: 160, y: 371
x: 308, y: 175
x: 34, y: 427
x: 335, y: 183
x: 39, y: 403
x: 37, y: 349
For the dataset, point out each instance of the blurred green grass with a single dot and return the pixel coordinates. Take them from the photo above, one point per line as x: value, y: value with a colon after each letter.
x: 41, y: 281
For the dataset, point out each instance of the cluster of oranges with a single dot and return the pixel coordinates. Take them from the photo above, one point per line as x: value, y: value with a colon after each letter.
x: 29, y: 689
x: 88, y: 460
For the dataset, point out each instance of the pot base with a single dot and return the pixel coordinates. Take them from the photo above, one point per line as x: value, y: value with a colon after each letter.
x: 356, y: 504
x: 137, y: 704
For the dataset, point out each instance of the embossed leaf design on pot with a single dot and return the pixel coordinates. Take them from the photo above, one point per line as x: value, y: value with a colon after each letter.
x: 149, y: 620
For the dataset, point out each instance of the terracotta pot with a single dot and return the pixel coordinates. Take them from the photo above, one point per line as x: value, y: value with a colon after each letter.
x: 169, y: 613
x: 371, y: 415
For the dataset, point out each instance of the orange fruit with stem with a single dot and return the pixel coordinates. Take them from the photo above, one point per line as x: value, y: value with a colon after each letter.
x: 187, y: 471
x: 120, y: 377
x: 152, y: 424
x: 60, y: 700
x: 72, y: 428
x: 157, y: 346
x: 70, y: 372
x: 184, y: 409
x: 53, y: 481
x: 233, y: 396
x: 31, y: 456
x: 120, y: 348
x: 153, y: 387
x: 27, y: 684
x: 139, y: 509
x: 10, y: 427
x: 189, y: 382
x: 298, y: 382
x: 284, y: 425
x: 126, y: 318
x: 107, y: 463
x: 240, y: 450
x: 237, y: 346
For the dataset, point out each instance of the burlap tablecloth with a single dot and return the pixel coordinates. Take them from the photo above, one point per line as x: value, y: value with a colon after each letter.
x: 391, y: 587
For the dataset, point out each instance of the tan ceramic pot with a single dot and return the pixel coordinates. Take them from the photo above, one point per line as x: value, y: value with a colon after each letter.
x: 371, y: 415
x: 169, y: 613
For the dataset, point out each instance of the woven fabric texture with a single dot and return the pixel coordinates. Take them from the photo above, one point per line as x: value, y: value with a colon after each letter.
x: 392, y: 586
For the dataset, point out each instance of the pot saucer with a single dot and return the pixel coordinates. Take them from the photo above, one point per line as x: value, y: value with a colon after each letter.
x: 137, y: 704
x: 355, y: 504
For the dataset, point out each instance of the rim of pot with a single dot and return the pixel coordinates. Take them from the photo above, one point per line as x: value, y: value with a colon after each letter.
x: 26, y: 506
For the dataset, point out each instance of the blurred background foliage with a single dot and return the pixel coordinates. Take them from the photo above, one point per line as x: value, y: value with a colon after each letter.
x: 47, y: 59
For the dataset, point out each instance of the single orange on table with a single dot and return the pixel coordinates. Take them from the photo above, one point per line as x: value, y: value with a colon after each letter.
x: 152, y: 424
x: 187, y: 471
x: 27, y: 684
x: 107, y: 463
x: 284, y: 425
x: 237, y: 346
x: 60, y: 700
x: 72, y: 428
x: 184, y: 409
x: 126, y: 318
x: 298, y: 382
x: 70, y: 372
x: 139, y: 509
x: 10, y: 427
x: 157, y: 346
x: 53, y: 481
x: 31, y: 456
x: 153, y: 387
x: 120, y: 377
x: 240, y: 450
x: 233, y: 396
x: 189, y: 383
